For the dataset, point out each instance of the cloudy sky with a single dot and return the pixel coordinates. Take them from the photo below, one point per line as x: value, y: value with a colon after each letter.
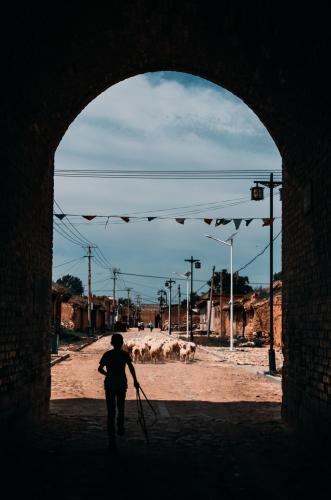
x: 163, y: 121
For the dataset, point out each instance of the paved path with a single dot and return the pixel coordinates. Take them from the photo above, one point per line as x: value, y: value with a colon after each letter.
x: 218, y: 434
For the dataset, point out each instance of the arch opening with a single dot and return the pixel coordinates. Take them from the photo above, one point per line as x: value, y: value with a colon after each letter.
x: 162, y: 121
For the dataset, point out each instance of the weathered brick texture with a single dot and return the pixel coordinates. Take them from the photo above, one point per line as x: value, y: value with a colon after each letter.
x: 56, y: 60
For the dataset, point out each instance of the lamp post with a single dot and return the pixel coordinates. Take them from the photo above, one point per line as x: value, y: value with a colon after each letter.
x: 162, y: 300
x: 197, y: 265
x: 186, y: 276
x: 257, y: 195
x: 228, y: 242
x: 169, y: 284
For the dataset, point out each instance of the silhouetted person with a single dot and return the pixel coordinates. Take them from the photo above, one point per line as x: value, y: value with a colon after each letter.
x: 116, y: 384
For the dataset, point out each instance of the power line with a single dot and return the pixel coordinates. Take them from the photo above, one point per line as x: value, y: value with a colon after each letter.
x: 258, y: 255
x: 77, y: 237
x: 239, y: 174
x: 153, y: 276
x: 68, y: 262
x: 64, y: 235
x: 190, y: 206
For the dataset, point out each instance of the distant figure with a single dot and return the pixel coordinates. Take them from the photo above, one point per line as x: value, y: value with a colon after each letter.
x: 116, y: 384
x: 150, y: 326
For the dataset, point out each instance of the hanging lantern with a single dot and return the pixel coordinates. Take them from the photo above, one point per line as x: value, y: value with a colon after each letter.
x: 257, y: 192
x: 280, y: 194
x: 197, y: 265
x: 167, y: 283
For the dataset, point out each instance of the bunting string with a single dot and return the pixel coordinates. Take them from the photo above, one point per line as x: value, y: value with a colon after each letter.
x: 266, y: 221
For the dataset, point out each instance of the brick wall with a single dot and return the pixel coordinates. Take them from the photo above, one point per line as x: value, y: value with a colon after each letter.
x: 275, y: 63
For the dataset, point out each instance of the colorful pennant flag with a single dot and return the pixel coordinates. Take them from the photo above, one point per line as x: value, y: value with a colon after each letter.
x: 226, y: 221
x: 89, y: 217
x: 237, y: 223
x: 151, y: 218
x: 126, y: 219
x: 208, y: 221
x: 60, y: 216
x: 180, y: 221
x: 267, y: 222
x: 248, y: 221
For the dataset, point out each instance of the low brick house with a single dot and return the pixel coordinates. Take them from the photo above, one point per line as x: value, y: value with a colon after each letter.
x: 250, y: 314
x: 60, y: 295
x: 74, y: 313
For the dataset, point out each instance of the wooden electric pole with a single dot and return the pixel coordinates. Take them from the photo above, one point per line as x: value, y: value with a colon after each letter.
x: 179, y: 297
x: 128, y: 290
x: 210, y: 301
x: 114, y: 298
x: 89, y: 293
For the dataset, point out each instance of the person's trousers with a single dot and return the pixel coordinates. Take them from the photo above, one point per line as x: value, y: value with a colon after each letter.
x: 113, y: 398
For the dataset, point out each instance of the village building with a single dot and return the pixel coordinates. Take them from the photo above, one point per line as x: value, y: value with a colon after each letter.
x: 60, y: 295
x: 150, y: 313
x: 74, y: 313
x: 251, y: 314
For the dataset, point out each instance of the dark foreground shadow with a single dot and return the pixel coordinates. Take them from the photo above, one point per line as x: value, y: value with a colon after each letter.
x: 197, y: 450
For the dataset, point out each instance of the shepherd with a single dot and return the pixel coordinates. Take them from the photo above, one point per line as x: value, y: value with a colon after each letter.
x: 112, y: 366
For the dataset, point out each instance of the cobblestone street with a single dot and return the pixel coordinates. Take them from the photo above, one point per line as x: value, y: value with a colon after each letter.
x: 218, y: 434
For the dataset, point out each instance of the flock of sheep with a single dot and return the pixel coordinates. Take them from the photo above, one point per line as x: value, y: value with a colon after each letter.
x: 160, y: 349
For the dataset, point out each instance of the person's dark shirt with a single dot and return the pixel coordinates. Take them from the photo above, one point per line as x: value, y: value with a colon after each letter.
x: 115, y: 361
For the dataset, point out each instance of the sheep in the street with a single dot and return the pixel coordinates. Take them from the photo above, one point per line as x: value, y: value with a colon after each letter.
x: 156, y: 351
x: 136, y: 353
x: 184, y: 354
x: 167, y: 350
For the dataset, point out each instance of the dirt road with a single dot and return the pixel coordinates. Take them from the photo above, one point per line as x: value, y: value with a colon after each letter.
x: 218, y: 434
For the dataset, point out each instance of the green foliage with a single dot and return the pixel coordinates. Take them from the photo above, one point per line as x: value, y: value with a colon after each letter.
x: 195, y: 298
x: 241, y: 284
x: 72, y: 283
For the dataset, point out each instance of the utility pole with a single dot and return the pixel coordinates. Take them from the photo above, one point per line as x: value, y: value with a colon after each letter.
x: 221, y: 303
x: 197, y: 265
x: 257, y: 195
x: 169, y: 284
x: 272, y: 356
x: 89, y: 293
x: 179, y: 297
x: 114, y: 298
x: 210, y: 301
x: 161, y: 293
x: 128, y: 290
x: 138, y: 308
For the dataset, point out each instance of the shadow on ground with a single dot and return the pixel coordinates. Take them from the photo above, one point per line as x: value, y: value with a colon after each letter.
x: 197, y: 450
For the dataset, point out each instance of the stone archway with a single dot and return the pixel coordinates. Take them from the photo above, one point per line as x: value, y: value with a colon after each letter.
x: 58, y: 60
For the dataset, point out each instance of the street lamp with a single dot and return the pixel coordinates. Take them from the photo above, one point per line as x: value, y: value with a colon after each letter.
x: 197, y: 265
x: 228, y: 242
x: 169, y: 284
x: 162, y: 293
x: 255, y: 197
x: 186, y: 276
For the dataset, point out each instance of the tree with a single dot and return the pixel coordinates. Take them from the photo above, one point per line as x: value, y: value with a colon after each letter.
x: 74, y: 284
x: 195, y: 298
x: 241, y: 284
x: 278, y: 276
